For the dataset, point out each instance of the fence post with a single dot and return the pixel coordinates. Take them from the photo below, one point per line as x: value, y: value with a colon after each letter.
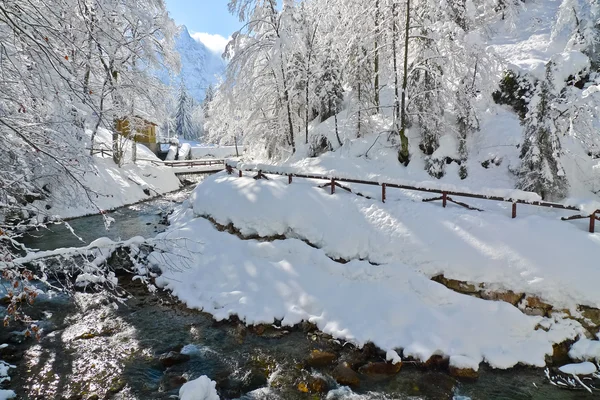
x: 514, y: 210
x: 593, y: 223
x: 289, y: 179
x: 240, y: 173
x: 332, y: 186
x: 383, y: 192
x: 444, y: 199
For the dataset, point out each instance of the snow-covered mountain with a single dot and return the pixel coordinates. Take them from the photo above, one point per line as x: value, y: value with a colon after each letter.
x: 199, y: 66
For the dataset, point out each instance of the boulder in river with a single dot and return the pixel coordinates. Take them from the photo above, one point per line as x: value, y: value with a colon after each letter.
x: 172, y: 358
x: 318, y: 358
x: 380, y: 368
x: 344, y: 375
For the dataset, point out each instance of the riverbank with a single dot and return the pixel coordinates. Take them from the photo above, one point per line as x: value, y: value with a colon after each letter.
x: 114, y: 350
x: 487, y: 294
x: 151, y: 344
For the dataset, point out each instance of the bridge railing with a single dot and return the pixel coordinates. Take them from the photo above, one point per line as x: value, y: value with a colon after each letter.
x: 591, y: 211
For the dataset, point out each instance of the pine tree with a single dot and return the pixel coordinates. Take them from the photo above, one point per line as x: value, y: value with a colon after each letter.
x: 541, y: 170
x: 183, y: 116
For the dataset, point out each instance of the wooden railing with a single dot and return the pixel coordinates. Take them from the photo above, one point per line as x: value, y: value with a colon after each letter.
x: 444, y: 195
x: 194, y: 163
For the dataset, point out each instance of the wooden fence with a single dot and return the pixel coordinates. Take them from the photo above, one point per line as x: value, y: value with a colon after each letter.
x: 445, y: 196
x: 194, y: 163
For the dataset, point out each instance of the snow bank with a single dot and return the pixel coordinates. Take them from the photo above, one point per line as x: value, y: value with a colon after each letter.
x: 393, y: 357
x: 7, y: 394
x: 584, y: 368
x: 199, y: 389
x: 112, y: 186
x: 397, y: 307
x: 585, y: 349
x: 527, y: 255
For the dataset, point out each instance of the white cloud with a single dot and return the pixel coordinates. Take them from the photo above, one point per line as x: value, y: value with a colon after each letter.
x: 215, y: 43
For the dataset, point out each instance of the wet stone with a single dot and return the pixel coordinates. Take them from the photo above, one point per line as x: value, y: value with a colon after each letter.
x: 463, y: 373
x: 380, y: 368
x: 172, y: 358
x: 344, y: 375
x: 318, y: 358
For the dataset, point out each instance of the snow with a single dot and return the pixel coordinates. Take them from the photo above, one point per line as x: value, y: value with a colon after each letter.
x: 7, y: 394
x: 525, y: 255
x: 202, y: 151
x: 393, y: 357
x: 112, y: 186
x: 585, y: 349
x: 201, y: 388
x: 584, y: 368
x: 4, y: 368
x: 399, y: 307
x: 199, y: 66
x: 463, y: 362
x: 448, y: 148
x: 185, y: 151
x: 507, y: 194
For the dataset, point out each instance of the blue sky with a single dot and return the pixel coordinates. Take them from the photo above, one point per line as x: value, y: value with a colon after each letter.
x: 208, y: 21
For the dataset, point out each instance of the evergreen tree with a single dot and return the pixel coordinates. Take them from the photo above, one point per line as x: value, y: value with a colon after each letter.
x: 541, y: 170
x: 183, y: 116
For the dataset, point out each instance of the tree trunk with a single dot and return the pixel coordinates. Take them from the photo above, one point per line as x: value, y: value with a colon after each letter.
x: 337, y: 133
x: 395, y: 56
x: 307, y: 101
x: 286, y: 98
x: 359, y: 108
x: 376, y: 61
x: 403, y: 154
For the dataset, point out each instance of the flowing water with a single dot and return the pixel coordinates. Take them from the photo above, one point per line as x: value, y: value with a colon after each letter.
x: 93, y: 347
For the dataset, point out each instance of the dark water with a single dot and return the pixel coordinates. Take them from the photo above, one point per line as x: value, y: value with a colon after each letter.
x: 144, y: 219
x: 93, y: 347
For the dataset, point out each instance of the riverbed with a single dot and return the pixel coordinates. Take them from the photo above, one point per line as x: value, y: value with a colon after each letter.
x: 94, y: 347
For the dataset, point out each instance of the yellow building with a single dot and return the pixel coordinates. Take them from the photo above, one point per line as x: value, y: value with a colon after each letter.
x: 144, y: 131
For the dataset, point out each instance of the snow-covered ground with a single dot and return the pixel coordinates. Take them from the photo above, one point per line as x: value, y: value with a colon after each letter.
x: 394, y: 305
x: 4, y: 368
x: 536, y: 253
x: 110, y: 186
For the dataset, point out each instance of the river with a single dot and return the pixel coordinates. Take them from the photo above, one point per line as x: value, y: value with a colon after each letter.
x: 93, y: 347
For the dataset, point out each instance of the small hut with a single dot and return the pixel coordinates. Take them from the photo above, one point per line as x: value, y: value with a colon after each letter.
x: 144, y: 131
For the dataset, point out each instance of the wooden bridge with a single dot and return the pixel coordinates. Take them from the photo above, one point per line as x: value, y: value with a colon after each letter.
x: 183, y: 168
x: 445, y: 196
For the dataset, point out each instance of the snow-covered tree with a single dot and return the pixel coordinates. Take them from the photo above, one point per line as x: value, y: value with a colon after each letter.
x: 541, y: 170
x: 184, y: 127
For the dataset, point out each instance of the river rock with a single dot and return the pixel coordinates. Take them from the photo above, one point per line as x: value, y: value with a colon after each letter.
x: 318, y: 385
x: 380, y: 368
x: 344, y: 375
x: 533, y: 305
x: 10, y: 353
x: 172, y: 358
x: 508, y: 297
x: 591, y: 317
x: 437, y: 362
x: 560, y: 352
x: 457, y: 286
x: 318, y: 358
x: 173, y: 381
x: 463, y: 373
